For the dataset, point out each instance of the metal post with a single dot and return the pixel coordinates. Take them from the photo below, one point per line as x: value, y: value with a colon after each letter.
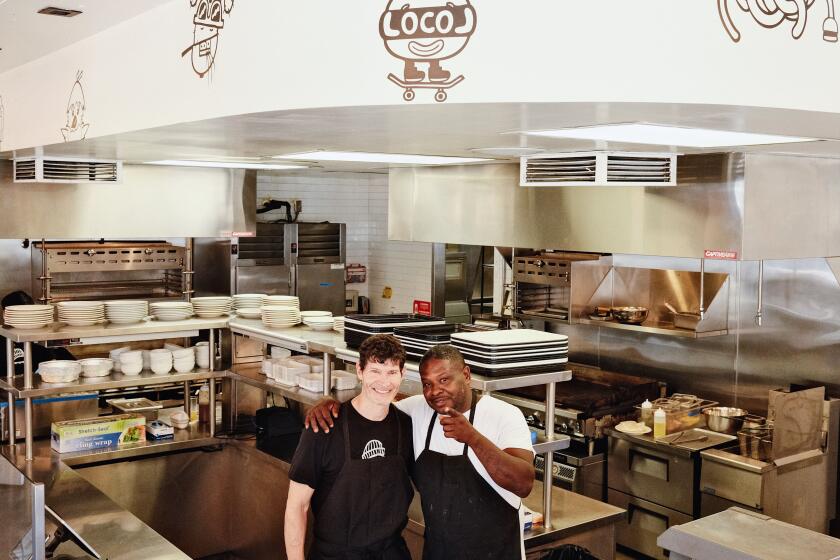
x: 702, y: 288
x: 10, y: 378
x: 211, y: 349
x: 759, y: 309
x: 548, y: 475
x: 327, y: 374
x: 187, y: 398
x: 27, y: 383
x: 187, y: 272
x: 212, y: 406
x: 39, y: 529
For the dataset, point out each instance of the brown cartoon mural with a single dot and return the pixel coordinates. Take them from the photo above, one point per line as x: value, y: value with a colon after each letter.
x: 75, y: 126
x: 773, y: 13
x: 208, y: 21
x: 423, y: 33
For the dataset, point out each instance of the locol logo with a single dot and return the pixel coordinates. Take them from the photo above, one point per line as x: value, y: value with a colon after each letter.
x: 422, y: 33
x: 208, y: 21
x: 773, y: 13
x: 75, y: 127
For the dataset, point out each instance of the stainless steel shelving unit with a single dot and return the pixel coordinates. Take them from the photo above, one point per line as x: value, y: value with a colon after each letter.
x: 28, y: 387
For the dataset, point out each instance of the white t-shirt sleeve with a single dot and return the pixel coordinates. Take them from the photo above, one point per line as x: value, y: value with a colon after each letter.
x: 513, y: 430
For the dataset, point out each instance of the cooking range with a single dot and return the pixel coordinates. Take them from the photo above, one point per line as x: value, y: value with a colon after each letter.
x: 592, y: 401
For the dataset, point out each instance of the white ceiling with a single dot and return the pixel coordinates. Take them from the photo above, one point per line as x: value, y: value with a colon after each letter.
x: 26, y: 35
x: 442, y: 129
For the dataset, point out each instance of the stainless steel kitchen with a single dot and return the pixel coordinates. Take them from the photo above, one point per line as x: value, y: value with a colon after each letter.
x: 419, y: 296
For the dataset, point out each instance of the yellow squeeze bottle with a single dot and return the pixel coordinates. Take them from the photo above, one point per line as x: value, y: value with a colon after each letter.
x: 659, y: 423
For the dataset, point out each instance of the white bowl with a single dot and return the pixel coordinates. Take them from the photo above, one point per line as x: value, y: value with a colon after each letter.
x: 184, y: 367
x: 162, y: 368
x: 131, y: 368
x: 96, y: 367
x: 179, y: 419
x: 59, y: 371
x: 131, y: 356
x: 183, y: 353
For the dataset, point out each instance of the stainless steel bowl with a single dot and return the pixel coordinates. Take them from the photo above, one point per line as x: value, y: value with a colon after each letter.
x: 631, y: 315
x: 725, y: 419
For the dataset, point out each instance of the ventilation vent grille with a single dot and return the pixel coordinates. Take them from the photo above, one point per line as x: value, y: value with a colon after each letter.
x: 65, y: 170
x: 599, y: 169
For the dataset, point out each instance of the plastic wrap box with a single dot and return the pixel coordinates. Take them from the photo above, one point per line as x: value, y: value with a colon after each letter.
x: 95, y: 433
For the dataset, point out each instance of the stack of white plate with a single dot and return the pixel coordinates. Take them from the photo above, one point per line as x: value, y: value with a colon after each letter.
x: 81, y: 313
x: 288, y: 301
x: 215, y: 306
x: 319, y: 323
x: 249, y: 312
x: 28, y: 316
x: 126, y: 312
x: 171, y: 310
x: 247, y: 301
x: 280, y: 316
x: 309, y: 314
x: 338, y: 324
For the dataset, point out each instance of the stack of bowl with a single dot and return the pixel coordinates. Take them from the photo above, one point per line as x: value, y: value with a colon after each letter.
x: 183, y: 360
x: 338, y: 324
x: 280, y: 316
x: 28, y: 316
x: 209, y: 307
x: 202, y: 355
x: 131, y: 362
x: 96, y: 367
x: 81, y: 313
x: 160, y: 361
x: 318, y: 320
x: 247, y: 301
x: 126, y: 312
x: 171, y: 310
x: 59, y: 371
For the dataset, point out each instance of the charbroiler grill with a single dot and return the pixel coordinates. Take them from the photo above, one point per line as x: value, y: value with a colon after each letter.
x: 590, y: 402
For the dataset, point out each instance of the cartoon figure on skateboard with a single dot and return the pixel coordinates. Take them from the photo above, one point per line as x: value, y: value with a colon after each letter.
x: 422, y: 33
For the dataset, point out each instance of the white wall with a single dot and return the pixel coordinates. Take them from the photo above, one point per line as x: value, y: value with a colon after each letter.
x: 359, y: 200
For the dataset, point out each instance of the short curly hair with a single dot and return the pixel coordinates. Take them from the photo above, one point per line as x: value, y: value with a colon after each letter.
x: 381, y: 348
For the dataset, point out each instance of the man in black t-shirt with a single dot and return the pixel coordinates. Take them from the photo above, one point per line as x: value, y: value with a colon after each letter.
x: 356, y: 477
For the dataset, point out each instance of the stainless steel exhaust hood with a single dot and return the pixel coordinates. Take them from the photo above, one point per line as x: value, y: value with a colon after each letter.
x: 757, y: 206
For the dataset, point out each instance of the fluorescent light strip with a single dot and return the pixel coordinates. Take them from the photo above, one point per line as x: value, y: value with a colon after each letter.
x: 371, y: 157
x: 661, y: 135
x: 225, y: 164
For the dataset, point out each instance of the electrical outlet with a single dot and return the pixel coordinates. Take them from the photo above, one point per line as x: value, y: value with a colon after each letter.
x: 298, y: 206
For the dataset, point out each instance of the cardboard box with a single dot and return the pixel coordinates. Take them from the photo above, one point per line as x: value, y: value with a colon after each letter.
x: 95, y: 433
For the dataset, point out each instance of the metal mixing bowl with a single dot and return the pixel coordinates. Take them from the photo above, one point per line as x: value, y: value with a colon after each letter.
x: 632, y: 315
x: 725, y: 419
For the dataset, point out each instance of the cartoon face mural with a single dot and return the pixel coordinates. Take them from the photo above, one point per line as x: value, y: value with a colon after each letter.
x: 422, y: 33
x: 75, y: 127
x: 209, y: 19
x: 773, y: 13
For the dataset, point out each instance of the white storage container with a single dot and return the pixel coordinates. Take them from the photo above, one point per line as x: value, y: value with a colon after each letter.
x: 311, y: 382
x: 343, y: 381
x: 316, y: 365
x: 286, y: 372
x: 280, y: 353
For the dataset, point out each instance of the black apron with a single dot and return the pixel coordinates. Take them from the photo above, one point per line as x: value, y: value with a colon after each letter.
x: 465, y: 517
x: 367, y: 508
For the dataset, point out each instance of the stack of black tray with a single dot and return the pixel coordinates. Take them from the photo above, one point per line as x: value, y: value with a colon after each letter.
x: 359, y: 327
x: 513, y: 352
x: 417, y: 340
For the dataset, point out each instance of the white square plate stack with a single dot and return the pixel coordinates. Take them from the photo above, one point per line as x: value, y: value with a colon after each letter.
x: 171, y: 310
x: 28, y: 316
x: 125, y: 311
x: 248, y: 301
x: 280, y: 316
x: 81, y: 313
x: 512, y: 352
x: 209, y: 307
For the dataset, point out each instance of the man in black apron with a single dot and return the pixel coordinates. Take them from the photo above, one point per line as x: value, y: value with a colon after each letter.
x: 356, y: 477
x: 474, y: 462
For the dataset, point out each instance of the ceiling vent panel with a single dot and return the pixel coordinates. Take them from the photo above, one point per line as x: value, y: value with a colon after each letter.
x: 598, y: 169
x: 66, y: 170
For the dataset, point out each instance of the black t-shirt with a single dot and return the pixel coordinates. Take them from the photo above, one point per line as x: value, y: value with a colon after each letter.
x: 320, y: 456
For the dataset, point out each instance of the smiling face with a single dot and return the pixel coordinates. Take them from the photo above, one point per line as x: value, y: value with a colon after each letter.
x: 380, y: 381
x: 427, y: 29
x: 446, y: 385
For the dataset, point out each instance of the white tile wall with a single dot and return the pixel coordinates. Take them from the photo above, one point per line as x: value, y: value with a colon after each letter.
x: 359, y: 200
